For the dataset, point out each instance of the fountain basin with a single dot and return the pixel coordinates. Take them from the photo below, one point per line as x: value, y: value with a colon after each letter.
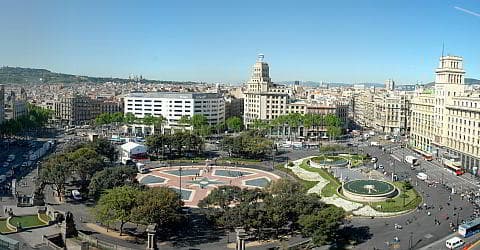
x: 369, y: 190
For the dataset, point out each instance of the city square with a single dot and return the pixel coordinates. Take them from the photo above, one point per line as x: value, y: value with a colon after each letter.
x: 195, y: 182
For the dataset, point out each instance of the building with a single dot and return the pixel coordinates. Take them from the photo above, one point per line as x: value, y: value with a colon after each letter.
x: 2, y: 103
x: 173, y: 105
x: 383, y: 110
x: 445, y: 121
x: 390, y: 85
x: 15, y: 106
x: 264, y: 100
x: 75, y: 110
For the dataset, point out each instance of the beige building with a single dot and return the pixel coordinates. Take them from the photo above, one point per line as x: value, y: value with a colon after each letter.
x: 263, y: 99
x: 383, y: 110
x: 78, y: 109
x: 2, y: 103
x: 14, y: 105
x: 446, y: 121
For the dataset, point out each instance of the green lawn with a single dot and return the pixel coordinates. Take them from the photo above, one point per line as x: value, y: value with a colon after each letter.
x: 331, y: 188
x: 3, y: 226
x: 412, y: 200
x: 26, y: 221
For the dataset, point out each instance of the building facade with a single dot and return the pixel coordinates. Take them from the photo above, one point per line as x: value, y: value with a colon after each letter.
x: 446, y: 120
x: 2, y: 103
x: 173, y: 105
x: 263, y: 99
x: 14, y: 105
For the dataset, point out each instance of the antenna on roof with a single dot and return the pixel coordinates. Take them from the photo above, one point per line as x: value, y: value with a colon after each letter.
x: 443, y: 51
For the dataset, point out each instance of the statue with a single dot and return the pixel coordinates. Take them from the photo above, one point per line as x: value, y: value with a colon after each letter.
x: 69, y: 224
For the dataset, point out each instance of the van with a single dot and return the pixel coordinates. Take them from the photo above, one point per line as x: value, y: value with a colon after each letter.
x: 454, y: 242
x: 422, y: 176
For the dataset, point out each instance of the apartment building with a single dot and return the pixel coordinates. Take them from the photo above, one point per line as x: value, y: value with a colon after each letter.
x: 173, y: 105
x: 2, y: 103
x: 383, y: 110
x: 75, y: 110
x: 446, y: 121
x: 15, y: 105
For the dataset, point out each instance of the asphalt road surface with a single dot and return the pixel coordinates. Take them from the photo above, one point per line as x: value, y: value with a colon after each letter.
x: 418, y: 228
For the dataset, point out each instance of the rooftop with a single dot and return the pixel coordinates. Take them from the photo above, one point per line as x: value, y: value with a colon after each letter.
x: 176, y: 95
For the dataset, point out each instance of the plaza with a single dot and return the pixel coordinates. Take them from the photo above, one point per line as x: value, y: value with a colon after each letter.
x: 195, y: 182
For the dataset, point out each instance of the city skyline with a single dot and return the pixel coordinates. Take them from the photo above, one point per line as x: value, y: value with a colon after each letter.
x: 217, y: 42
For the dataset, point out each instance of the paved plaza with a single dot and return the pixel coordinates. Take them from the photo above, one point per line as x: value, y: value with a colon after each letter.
x: 195, y: 182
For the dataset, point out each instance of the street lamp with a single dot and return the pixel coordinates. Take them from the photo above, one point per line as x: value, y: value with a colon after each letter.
x: 180, y: 171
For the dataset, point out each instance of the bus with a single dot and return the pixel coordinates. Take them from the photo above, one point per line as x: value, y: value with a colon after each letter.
x: 453, y: 164
x: 469, y: 228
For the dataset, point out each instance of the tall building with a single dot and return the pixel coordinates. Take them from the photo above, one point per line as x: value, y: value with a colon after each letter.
x: 264, y: 100
x: 173, y: 105
x: 390, y: 85
x: 446, y: 120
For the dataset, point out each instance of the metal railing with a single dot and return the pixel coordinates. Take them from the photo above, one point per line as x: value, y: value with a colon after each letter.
x: 95, y: 242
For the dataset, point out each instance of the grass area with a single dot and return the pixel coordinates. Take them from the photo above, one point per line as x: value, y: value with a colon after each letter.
x: 3, y: 226
x: 331, y: 188
x: 407, y: 200
x: 26, y: 221
x: 306, y: 184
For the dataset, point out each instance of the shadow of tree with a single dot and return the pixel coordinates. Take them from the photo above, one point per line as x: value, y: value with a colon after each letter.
x: 350, y: 235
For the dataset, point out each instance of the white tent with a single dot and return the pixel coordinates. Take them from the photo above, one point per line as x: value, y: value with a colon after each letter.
x: 133, y: 148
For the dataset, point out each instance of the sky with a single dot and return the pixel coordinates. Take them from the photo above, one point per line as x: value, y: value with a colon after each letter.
x: 351, y: 41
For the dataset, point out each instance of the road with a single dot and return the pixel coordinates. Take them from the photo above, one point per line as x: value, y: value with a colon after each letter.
x: 419, y: 228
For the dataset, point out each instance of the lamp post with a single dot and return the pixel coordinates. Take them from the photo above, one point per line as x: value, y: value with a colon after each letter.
x: 180, y: 171
x: 393, y: 173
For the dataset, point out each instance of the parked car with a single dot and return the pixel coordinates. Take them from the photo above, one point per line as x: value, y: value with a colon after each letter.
x: 76, y: 195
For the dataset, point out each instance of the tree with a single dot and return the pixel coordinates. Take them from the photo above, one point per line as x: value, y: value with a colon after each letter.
x: 85, y: 162
x: 55, y: 171
x: 130, y: 118
x: 198, y: 121
x: 247, y: 145
x: 333, y: 132
x: 323, y: 225
x: 104, y: 148
x: 159, y: 205
x: 117, y: 205
x: 234, y: 124
x: 109, y: 178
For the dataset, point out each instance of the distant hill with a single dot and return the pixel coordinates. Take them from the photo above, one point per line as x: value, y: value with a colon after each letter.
x: 17, y: 75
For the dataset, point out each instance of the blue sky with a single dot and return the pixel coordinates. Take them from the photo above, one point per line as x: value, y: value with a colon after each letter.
x: 217, y: 41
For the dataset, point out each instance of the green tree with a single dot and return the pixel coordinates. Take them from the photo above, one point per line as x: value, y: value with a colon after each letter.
x: 323, y: 225
x: 85, y: 162
x: 104, y: 148
x: 130, y: 118
x: 111, y: 177
x: 234, y: 124
x: 198, y: 121
x: 117, y: 205
x: 159, y: 205
x: 55, y: 171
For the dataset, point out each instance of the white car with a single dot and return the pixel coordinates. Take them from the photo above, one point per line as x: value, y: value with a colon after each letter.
x: 454, y: 242
x: 76, y: 195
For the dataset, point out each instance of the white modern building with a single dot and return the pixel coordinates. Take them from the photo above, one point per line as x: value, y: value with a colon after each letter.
x: 173, y: 105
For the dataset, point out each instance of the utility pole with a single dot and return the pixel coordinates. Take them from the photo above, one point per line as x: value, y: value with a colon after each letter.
x: 180, y: 171
x: 393, y: 173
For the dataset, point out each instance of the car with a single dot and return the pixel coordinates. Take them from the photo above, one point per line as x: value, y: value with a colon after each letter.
x: 454, y: 242
x: 374, y: 159
x: 76, y: 195
x: 380, y: 166
x: 143, y: 170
